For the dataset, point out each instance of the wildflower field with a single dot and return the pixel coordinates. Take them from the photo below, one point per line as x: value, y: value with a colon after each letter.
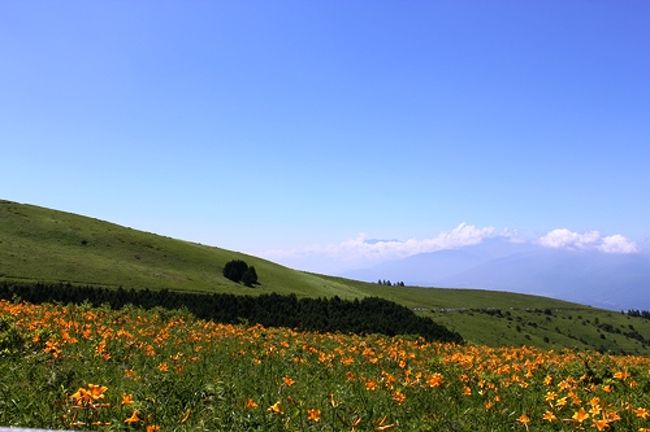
x: 134, y: 369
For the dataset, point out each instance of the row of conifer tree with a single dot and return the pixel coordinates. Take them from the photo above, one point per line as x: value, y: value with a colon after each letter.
x: 368, y: 315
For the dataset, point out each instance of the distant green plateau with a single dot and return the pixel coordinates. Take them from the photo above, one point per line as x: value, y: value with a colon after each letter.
x: 40, y: 244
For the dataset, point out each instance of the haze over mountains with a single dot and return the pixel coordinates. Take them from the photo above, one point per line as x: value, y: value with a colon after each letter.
x: 585, y: 275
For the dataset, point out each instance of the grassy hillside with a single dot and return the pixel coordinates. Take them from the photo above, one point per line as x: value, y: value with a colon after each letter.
x: 42, y: 244
x: 39, y: 244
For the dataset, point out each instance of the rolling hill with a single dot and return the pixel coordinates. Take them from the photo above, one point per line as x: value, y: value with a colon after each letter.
x: 39, y: 244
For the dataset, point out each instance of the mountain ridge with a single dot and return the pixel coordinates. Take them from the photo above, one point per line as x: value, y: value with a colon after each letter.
x: 612, y: 281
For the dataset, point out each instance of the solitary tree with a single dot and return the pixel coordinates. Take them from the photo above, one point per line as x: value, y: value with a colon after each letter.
x: 234, y: 270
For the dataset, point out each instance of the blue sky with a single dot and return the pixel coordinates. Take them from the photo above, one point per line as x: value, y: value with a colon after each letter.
x: 259, y: 125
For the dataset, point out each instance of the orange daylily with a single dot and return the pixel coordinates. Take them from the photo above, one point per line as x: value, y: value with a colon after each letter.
x: 127, y: 399
x: 313, y: 415
x: 276, y: 408
x: 524, y: 420
x: 133, y: 419
x: 549, y: 416
x: 580, y: 415
x: 642, y: 413
x: 435, y: 380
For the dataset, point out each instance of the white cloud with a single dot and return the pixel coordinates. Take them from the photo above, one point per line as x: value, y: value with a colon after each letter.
x: 562, y: 238
x: 462, y: 235
x: 617, y: 244
x: 361, y: 250
x: 565, y: 239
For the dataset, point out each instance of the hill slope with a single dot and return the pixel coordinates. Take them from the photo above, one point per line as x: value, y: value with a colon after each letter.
x: 43, y: 244
x: 39, y: 244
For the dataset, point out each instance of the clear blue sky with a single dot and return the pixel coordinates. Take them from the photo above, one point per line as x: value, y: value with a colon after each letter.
x: 257, y: 124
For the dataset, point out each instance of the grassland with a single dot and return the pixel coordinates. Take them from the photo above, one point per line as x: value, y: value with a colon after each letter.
x: 39, y: 244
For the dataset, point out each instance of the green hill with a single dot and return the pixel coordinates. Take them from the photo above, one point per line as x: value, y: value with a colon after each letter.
x: 39, y: 244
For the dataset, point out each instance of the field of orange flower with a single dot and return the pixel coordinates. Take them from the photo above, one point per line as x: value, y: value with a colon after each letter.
x: 85, y: 368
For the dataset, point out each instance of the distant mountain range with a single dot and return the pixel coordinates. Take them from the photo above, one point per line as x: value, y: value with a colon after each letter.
x: 612, y: 281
